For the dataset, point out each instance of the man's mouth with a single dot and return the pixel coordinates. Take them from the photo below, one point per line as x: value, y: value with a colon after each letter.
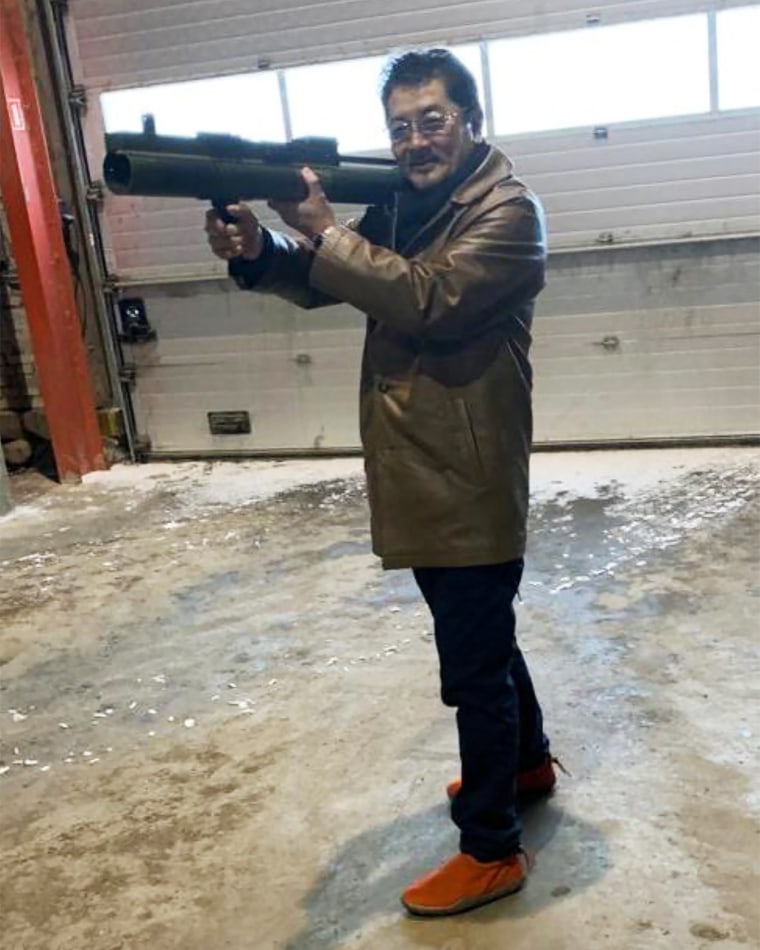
x: 422, y: 166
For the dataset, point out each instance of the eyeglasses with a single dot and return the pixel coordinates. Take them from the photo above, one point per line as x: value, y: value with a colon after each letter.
x: 430, y: 125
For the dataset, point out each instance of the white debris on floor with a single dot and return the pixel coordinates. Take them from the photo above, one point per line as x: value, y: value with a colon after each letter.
x: 202, y: 664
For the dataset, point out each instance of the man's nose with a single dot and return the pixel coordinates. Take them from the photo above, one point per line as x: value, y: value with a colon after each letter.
x: 416, y: 137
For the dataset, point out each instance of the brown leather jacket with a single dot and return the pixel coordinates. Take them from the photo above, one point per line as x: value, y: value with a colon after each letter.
x: 445, y: 408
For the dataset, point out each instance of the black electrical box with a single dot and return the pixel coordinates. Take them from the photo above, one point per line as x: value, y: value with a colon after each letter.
x: 135, y: 326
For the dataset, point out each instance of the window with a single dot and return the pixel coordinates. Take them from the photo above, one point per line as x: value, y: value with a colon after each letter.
x: 738, y: 61
x: 597, y: 75
x: 594, y: 76
x: 247, y: 105
x: 340, y: 101
x: 469, y: 55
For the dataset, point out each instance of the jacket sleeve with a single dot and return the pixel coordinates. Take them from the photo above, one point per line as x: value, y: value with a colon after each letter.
x: 499, y: 258
x: 283, y: 270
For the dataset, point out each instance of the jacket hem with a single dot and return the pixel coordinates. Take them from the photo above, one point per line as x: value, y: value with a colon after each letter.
x: 463, y: 559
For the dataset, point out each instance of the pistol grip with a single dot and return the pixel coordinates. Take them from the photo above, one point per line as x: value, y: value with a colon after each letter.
x: 220, y: 206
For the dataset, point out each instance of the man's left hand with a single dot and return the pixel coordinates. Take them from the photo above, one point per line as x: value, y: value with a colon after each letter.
x: 311, y: 216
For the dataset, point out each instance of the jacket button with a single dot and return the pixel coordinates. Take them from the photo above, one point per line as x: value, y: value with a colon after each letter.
x: 382, y: 386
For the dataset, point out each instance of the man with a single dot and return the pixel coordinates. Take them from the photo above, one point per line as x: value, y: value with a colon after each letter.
x: 447, y: 280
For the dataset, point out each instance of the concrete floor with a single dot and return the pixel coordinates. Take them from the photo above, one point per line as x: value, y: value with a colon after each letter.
x: 220, y: 725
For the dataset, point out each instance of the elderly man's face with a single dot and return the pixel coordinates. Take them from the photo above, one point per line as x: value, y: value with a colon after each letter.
x: 429, y: 135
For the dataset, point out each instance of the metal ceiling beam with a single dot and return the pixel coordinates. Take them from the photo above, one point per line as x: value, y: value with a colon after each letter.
x: 47, y: 287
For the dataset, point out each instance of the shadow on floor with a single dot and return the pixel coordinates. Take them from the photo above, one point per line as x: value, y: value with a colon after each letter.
x: 369, y: 873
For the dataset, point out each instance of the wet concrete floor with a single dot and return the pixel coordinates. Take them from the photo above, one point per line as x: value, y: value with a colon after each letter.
x: 220, y: 726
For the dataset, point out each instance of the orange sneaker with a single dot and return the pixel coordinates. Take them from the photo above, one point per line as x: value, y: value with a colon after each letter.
x: 463, y: 883
x: 531, y: 784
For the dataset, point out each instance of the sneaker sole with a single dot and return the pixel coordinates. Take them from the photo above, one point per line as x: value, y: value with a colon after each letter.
x: 524, y: 799
x: 463, y: 906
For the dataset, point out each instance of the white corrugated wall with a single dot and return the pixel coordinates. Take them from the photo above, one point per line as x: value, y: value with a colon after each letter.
x: 681, y: 179
x: 142, y: 42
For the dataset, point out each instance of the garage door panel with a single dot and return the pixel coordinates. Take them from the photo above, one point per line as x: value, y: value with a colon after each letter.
x: 639, y: 424
x: 634, y: 379
x: 666, y: 320
x: 272, y: 431
x: 590, y: 290
x: 650, y: 400
x: 650, y: 229
x: 209, y: 37
x: 681, y: 368
x: 584, y: 293
x: 669, y: 368
x: 257, y: 349
x: 151, y: 240
x: 289, y: 425
x: 748, y: 225
x: 699, y: 138
x: 662, y: 174
x: 295, y: 372
x: 666, y: 194
x: 215, y: 312
x: 226, y: 379
x: 628, y: 217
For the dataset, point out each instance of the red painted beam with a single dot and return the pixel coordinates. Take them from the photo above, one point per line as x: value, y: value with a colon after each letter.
x: 47, y: 287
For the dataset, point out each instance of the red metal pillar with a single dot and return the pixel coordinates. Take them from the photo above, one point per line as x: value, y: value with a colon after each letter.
x: 47, y: 287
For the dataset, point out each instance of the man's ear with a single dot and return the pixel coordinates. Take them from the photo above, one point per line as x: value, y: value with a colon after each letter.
x: 475, y: 123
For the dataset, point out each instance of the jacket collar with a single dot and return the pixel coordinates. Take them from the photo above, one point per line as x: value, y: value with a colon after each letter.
x: 494, y: 168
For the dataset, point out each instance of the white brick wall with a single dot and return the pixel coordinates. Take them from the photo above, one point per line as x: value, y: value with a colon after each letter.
x: 19, y: 388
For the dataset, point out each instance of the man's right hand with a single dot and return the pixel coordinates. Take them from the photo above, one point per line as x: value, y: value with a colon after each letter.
x: 243, y: 239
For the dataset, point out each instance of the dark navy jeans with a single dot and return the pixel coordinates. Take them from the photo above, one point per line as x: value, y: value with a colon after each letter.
x: 484, y: 676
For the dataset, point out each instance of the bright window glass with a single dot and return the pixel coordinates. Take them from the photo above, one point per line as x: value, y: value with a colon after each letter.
x: 470, y: 57
x: 339, y: 101
x: 247, y: 105
x: 342, y: 100
x: 739, y: 58
x: 598, y: 75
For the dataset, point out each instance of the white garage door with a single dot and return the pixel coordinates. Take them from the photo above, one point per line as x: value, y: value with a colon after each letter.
x: 649, y: 327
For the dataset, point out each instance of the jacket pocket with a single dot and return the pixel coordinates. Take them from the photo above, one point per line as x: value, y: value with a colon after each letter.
x: 470, y: 438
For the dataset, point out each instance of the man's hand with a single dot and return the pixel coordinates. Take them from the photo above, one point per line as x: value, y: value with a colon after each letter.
x: 311, y: 216
x: 241, y: 239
